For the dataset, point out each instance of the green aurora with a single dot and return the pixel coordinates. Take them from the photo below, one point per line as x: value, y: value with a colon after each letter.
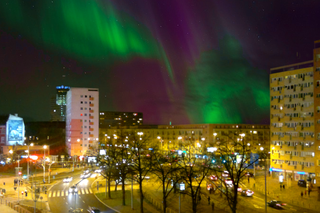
x: 84, y: 30
x: 224, y: 88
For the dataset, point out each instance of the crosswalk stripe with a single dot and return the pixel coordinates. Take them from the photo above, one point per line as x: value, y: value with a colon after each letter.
x: 90, y: 191
x: 58, y: 193
x: 50, y: 194
x: 54, y: 194
x: 87, y: 191
x: 67, y: 193
x: 82, y: 191
x: 62, y: 193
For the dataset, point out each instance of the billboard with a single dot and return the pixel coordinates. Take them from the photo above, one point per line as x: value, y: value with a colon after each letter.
x: 15, y: 130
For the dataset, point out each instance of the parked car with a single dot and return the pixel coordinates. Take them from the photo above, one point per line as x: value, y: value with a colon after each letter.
x: 93, y: 210
x: 276, y: 204
x: 249, y: 174
x: 302, y: 183
x: 67, y: 180
x: 213, y: 177
x: 247, y: 193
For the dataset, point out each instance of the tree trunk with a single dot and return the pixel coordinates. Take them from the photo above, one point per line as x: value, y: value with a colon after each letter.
x: 109, y: 191
x: 123, y: 193
x: 115, y: 186
x: 141, y: 196
x: 194, y: 203
x: 164, y: 200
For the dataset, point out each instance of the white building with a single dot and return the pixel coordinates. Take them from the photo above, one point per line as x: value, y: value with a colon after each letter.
x: 82, y: 121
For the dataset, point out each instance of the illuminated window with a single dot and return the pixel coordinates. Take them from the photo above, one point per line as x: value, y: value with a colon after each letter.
x: 81, y: 114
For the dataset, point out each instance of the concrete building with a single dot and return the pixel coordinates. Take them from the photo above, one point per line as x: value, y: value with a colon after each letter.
x: 295, y: 120
x: 113, y: 119
x: 82, y: 121
x: 58, y: 104
x: 200, y: 137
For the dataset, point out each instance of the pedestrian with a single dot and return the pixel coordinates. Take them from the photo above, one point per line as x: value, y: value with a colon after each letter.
x: 305, y: 192
x: 248, y: 179
x: 212, y: 205
x: 309, y: 192
x: 283, y: 186
x: 301, y: 194
x: 208, y: 200
x: 4, y: 183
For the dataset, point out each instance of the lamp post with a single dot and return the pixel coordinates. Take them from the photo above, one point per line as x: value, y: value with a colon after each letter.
x: 203, y: 141
x: 180, y: 143
x: 50, y: 171
x: 214, y: 137
x: 159, y: 138
x: 44, y: 163
x: 28, y: 160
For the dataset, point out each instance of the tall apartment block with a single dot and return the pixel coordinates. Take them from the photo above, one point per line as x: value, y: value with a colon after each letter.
x: 112, y: 119
x: 82, y: 121
x: 58, y: 104
x: 295, y: 120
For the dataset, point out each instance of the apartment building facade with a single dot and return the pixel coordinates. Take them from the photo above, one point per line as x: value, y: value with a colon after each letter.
x: 295, y: 120
x: 199, y: 137
x: 82, y: 121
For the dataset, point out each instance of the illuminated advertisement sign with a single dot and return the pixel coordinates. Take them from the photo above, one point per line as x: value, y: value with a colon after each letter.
x: 15, y: 130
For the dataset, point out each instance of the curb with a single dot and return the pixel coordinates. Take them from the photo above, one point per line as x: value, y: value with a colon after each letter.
x: 101, y: 200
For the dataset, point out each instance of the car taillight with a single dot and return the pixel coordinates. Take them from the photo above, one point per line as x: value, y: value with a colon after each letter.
x: 278, y: 204
x: 284, y: 204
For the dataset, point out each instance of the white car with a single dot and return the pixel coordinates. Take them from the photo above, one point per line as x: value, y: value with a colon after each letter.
x: 85, y: 175
x: 67, y: 180
x: 98, y: 170
x: 73, y: 189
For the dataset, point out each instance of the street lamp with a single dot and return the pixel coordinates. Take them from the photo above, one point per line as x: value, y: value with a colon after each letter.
x: 28, y: 159
x: 44, y: 163
x: 180, y: 143
x: 159, y: 138
x: 50, y: 170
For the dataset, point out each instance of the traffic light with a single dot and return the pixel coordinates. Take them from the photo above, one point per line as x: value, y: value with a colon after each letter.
x: 20, y: 173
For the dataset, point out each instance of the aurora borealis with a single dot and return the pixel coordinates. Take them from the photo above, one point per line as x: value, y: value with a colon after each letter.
x: 180, y: 61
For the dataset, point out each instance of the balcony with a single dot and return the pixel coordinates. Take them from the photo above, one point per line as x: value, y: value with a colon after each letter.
x: 91, y: 99
x: 91, y: 111
x: 91, y: 129
x: 91, y: 123
x: 91, y: 117
x: 91, y: 105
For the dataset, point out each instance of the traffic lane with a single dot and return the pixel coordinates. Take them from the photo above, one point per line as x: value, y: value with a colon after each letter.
x: 59, y: 204
x: 86, y: 200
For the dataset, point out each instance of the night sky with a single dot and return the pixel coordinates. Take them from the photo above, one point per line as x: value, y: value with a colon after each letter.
x: 185, y: 61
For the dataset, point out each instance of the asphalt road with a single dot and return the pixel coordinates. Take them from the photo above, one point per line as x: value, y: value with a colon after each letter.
x: 60, y: 200
x: 256, y: 203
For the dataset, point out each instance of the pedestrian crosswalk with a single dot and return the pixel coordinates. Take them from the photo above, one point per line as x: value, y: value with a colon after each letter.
x: 63, y: 193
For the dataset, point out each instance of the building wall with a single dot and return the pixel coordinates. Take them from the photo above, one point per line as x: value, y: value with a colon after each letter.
x: 113, y: 119
x: 292, y: 127
x: 199, y: 136
x: 82, y: 123
x: 316, y: 83
x: 2, y: 137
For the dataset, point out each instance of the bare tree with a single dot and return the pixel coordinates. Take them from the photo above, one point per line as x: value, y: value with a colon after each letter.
x: 140, y: 159
x: 193, y: 172
x: 232, y: 159
x: 166, y: 170
x: 108, y: 163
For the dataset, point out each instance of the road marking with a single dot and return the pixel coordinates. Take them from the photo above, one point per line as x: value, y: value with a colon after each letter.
x: 67, y: 193
x: 50, y: 194
x: 58, y: 193
x: 82, y: 191
x: 83, y: 201
x: 62, y: 193
x: 87, y: 191
x: 54, y: 194
x: 256, y: 206
x: 90, y: 191
x: 258, y: 198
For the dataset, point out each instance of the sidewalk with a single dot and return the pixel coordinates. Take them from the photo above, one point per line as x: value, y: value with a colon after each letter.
x: 116, y: 197
x: 6, y: 209
x: 12, y: 195
x: 291, y: 194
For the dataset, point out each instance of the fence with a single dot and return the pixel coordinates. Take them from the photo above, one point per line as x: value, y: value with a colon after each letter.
x: 283, y: 197
x: 14, y: 206
x: 156, y: 203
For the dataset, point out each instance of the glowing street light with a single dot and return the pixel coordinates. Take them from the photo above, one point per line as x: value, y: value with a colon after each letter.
x: 261, y: 148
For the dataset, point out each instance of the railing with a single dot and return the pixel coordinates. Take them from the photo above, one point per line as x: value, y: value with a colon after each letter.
x: 14, y: 206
